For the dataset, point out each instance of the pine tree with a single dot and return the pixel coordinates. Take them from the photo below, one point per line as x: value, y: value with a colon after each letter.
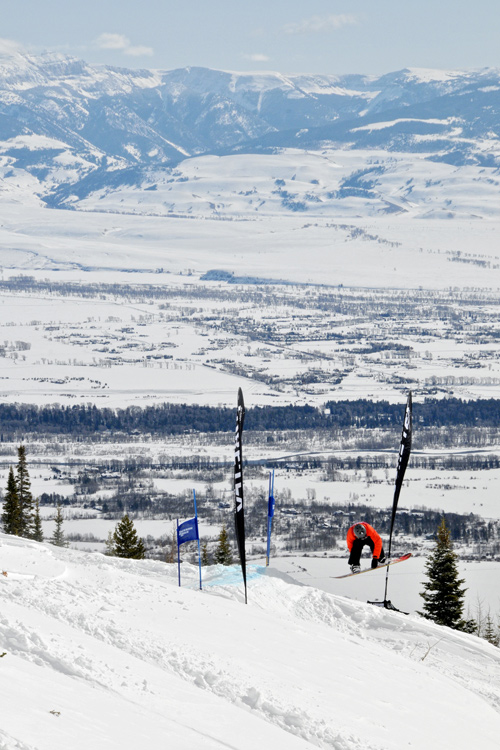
x: 110, y: 545
x: 24, y: 494
x: 37, y: 524
x: 127, y: 543
x: 171, y: 553
x: 491, y: 633
x: 223, y: 554
x: 11, y: 516
x: 59, y: 539
x: 205, y: 554
x: 443, y: 593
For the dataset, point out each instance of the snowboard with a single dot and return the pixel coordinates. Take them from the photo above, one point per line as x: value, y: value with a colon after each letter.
x: 384, y: 565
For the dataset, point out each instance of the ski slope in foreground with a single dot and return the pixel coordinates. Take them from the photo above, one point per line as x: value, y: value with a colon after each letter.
x: 109, y: 653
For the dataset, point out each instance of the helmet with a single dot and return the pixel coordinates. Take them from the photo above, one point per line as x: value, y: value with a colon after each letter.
x: 359, y: 531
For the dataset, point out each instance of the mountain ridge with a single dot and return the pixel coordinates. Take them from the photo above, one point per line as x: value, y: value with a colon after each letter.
x: 77, y: 128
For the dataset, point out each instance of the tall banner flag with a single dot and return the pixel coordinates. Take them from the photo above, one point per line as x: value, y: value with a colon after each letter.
x: 239, y: 514
x: 403, y: 457
x: 188, y: 532
x: 270, y: 514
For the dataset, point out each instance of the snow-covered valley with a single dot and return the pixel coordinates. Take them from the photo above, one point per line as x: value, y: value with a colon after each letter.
x: 167, y: 237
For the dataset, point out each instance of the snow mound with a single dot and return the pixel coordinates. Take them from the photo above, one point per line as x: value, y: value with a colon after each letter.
x: 106, y: 652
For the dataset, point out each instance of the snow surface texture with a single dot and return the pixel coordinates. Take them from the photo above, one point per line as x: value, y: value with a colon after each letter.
x: 397, y: 252
x: 102, y: 652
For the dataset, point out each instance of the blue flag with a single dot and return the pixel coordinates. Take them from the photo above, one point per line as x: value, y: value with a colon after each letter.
x: 270, y: 514
x: 270, y: 505
x: 187, y: 531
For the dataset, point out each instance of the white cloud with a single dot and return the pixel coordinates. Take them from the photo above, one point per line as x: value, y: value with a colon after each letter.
x: 112, y: 41
x: 257, y: 57
x: 10, y: 47
x: 318, y: 24
x: 139, y: 51
x: 122, y: 43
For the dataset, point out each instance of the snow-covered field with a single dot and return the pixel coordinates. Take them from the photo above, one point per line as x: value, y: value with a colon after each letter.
x: 312, y: 183
x: 123, y: 658
x: 74, y: 338
x: 362, y: 251
x: 444, y: 238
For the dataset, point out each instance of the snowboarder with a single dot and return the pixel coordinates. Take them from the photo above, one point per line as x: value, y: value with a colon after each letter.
x: 357, y: 536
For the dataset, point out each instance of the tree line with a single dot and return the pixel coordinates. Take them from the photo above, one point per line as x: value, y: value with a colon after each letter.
x: 172, y: 419
x: 443, y: 592
x: 21, y: 516
x: 20, y: 513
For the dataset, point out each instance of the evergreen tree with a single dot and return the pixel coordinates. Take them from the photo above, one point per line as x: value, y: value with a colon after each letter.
x: 110, y: 545
x: 24, y: 494
x: 37, y: 524
x: 491, y: 633
x: 223, y: 554
x: 11, y: 516
x: 59, y: 539
x: 443, y: 593
x: 205, y: 554
x: 127, y: 543
x: 171, y: 553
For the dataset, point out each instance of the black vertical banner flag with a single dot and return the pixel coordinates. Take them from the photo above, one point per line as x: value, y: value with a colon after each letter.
x: 404, y: 455
x: 239, y: 514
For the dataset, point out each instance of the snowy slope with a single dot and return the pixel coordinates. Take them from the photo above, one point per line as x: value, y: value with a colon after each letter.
x: 78, y: 130
x: 312, y: 184
x: 108, y: 653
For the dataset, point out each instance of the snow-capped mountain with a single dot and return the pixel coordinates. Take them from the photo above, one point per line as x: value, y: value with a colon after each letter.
x: 69, y: 129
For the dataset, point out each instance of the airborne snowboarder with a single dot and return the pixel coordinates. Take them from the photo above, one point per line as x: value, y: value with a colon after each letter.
x: 358, y: 535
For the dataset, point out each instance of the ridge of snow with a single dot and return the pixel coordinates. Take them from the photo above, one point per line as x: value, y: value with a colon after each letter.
x: 113, y: 651
x: 391, y: 123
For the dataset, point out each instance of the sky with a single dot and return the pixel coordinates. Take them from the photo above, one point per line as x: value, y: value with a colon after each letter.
x: 322, y: 36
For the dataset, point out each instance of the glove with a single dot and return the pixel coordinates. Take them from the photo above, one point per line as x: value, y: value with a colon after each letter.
x: 374, y: 562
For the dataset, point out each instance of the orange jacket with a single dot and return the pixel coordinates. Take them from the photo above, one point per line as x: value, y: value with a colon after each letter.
x: 370, y: 532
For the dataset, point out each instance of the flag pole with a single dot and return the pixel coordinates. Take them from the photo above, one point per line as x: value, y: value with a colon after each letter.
x: 270, y: 514
x: 404, y: 455
x: 197, y: 533
x: 239, y: 515
x: 178, y: 553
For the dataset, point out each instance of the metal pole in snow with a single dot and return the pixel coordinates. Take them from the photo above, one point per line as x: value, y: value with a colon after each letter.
x: 270, y: 514
x: 178, y: 553
x: 197, y: 533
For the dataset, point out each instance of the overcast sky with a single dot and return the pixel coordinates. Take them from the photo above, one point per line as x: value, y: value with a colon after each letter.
x: 290, y: 36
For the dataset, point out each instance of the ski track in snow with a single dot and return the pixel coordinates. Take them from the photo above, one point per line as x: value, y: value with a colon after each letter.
x: 193, y: 666
x: 126, y: 621
x: 10, y: 743
x: 373, y: 623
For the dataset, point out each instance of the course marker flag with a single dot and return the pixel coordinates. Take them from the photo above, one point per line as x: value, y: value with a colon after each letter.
x: 270, y: 514
x: 188, y: 531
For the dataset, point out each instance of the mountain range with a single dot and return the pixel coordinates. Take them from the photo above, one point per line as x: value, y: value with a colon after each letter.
x: 69, y: 129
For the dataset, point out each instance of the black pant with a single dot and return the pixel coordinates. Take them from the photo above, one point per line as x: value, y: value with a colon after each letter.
x: 357, y: 548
